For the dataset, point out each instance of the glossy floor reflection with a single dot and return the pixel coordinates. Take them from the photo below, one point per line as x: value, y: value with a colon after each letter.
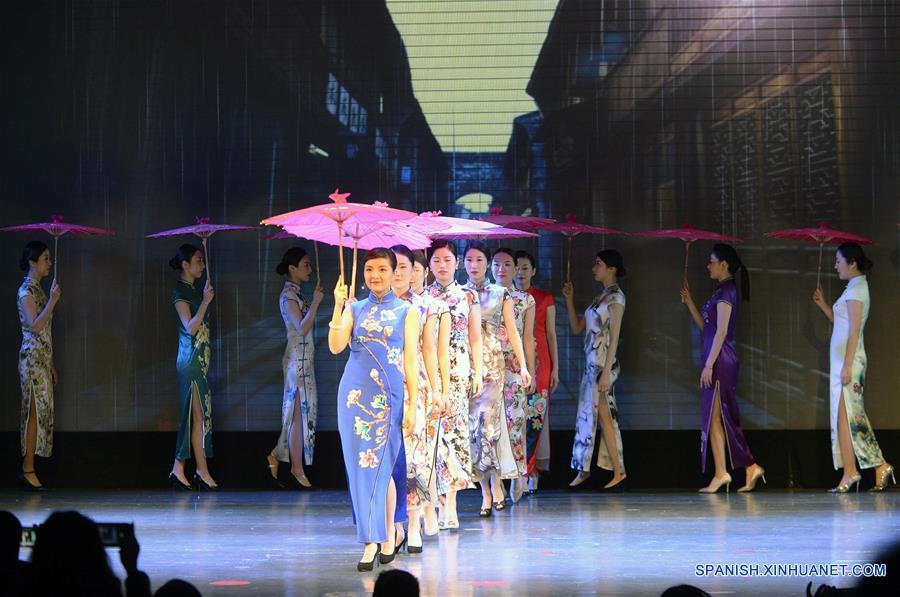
x: 553, y: 543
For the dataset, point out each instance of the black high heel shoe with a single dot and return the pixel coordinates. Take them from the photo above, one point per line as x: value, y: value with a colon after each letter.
x: 203, y: 486
x: 388, y: 558
x: 370, y: 565
x: 485, y: 512
x: 26, y: 485
x: 176, y: 482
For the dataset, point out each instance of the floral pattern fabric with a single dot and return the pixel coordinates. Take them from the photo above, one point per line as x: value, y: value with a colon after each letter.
x: 298, y: 367
x: 515, y: 396
x: 538, y: 408
x: 35, y: 371
x: 422, y: 442
x: 597, y: 319
x: 192, y: 365
x: 488, y: 429
x: 865, y: 446
x: 370, y: 412
x: 454, y: 462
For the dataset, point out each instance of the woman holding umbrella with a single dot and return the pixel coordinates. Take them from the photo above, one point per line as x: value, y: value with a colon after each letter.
x: 36, y: 371
x: 454, y: 465
x: 492, y: 450
x: 852, y: 437
x: 371, y: 417
x: 720, y: 418
x: 195, y: 413
x: 601, y: 323
x: 298, y: 406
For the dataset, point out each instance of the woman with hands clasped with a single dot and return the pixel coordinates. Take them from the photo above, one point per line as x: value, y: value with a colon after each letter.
x: 382, y: 332
x: 492, y: 451
x: 720, y: 418
x: 602, y: 323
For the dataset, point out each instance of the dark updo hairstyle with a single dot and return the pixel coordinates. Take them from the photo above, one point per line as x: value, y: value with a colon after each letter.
x: 508, y: 251
x: 32, y: 252
x: 853, y: 253
x: 420, y: 258
x: 442, y: 243
x: 481, y: 247
x: 381, y: 253
x: 185, y: 252
x: 403, y: 250
x: 291, y: 257
x: 729, y: 255
x: 528, y: 256
x: 613, y: 258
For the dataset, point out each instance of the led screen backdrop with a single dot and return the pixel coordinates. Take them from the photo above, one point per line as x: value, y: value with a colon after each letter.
x: 736, y: 116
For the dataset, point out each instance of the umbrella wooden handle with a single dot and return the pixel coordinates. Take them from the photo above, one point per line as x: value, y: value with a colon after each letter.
x: 55, y: 256
x: 687, y: 247
x: 341, y: 249
x: 316, y: 249
x: 353, y: 274
x: 206, y: 258
x: 819, y: 268
x: 569, y: 259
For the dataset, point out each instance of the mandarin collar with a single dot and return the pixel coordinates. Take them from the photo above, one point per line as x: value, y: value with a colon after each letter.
x: 380, y: 301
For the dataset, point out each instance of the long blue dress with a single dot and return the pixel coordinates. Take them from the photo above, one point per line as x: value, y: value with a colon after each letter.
x: 370, y: 413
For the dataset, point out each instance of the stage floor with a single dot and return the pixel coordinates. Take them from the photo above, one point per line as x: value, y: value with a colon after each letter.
x: 553, y: 543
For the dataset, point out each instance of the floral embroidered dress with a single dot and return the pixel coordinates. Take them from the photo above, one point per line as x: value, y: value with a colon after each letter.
x: 421, y: 443
x: 515, y: 397
x: 865, y: 447
x: 537, y: 428
x: 454, y: 464
x: 299, y: 378
x: 192, y: 365
x: 491, y: 447
x: 35, y: 371
x: 724, y: 379
x: 370, y: 412
x: 597, y: 337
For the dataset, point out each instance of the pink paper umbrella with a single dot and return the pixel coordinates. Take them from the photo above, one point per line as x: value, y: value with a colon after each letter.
x: 497, y: 233
x: 340, y: 212
x: 204, y: 230
x: 56, y: 228
x: 570, y: 229
x: 689, y: 234
x: 822, y: 234
x: 521, y: 222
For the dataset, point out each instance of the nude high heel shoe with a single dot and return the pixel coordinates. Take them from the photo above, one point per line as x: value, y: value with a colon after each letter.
x: 717, y: 483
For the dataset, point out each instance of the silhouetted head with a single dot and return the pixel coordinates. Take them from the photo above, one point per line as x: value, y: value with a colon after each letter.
x: 68, y: 558
x: 10, y: 537
x: 177, y: 588
x: 396, y: 583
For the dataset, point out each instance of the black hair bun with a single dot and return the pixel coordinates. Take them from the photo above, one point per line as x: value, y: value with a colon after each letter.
x: 281, y: 269
x: 175, y: 263
x: 621, y: 272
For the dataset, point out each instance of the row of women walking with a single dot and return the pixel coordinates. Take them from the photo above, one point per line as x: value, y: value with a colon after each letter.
x: 447, y: 385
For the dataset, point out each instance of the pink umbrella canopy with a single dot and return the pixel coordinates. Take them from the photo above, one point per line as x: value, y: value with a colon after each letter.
x: 498, y: 233
x: 340, y: 212
x: 570, y: 229
x: 821, y: 235
x: 204, y: 230
x: 57, y: 228
x: 510, y: 221
x: 689, y: 234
